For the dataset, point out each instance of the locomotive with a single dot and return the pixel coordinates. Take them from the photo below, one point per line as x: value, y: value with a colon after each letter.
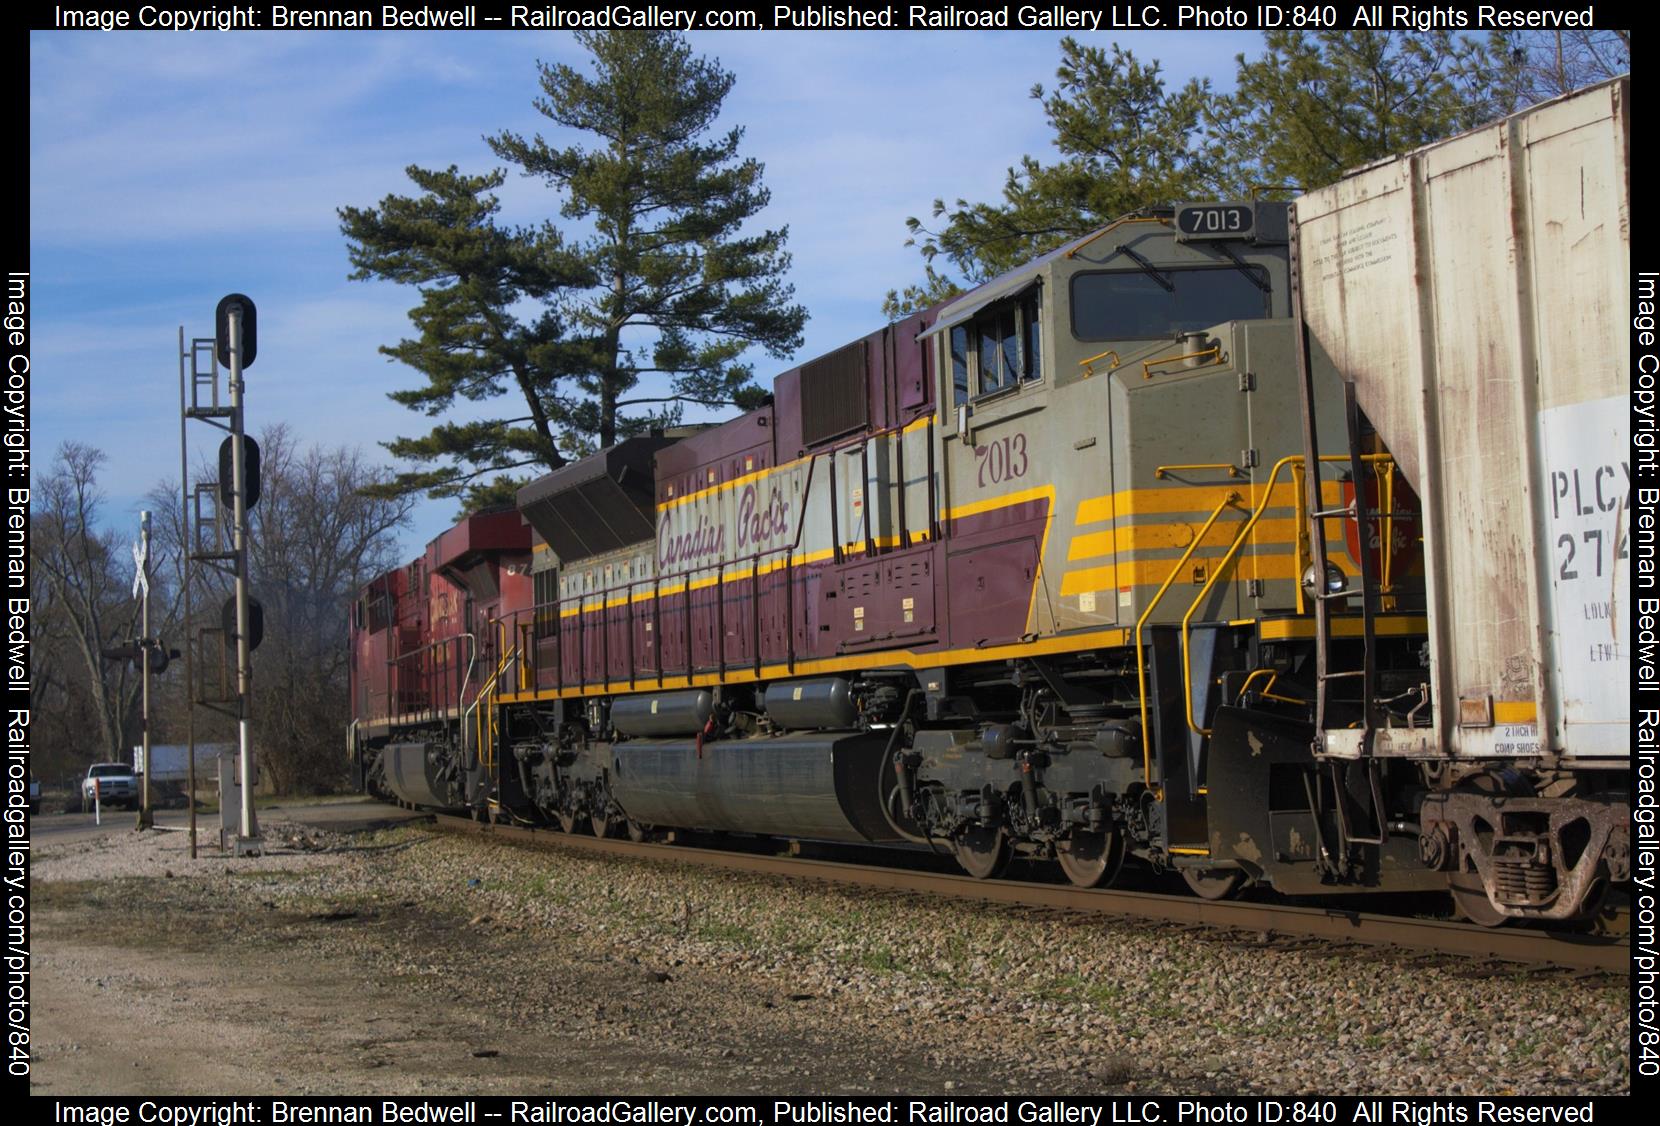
x: 1220, y: 538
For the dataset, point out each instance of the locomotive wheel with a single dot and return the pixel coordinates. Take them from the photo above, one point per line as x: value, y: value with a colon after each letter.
x: 603, y: 826
x: 567, y: 821
x: 1470, y: 897
x: 1091, y: 860
x: 983, y: 853
x: 1214, y: 883
x: 637, y: 832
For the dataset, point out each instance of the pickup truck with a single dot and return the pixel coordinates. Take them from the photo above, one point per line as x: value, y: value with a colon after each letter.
x: 115, y: 783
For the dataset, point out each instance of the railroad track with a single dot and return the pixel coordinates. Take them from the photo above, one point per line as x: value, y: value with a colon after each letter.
x: 1271, y: 921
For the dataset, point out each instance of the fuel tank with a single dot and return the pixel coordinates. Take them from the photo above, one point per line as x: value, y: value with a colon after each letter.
x: 827, y: 786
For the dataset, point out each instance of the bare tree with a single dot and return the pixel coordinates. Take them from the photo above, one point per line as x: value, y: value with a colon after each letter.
x: 1547, y: 64
x: 315, y: 538
x: 83, y: 602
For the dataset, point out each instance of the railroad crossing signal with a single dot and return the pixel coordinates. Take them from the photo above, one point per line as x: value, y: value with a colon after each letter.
x: 141, y: 576
x: 144, y: 648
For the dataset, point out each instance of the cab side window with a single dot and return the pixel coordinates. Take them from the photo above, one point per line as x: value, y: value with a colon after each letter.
x: 999, y: 349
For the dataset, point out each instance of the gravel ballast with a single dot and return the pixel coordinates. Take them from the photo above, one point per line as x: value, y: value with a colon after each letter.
x: 508, y: 969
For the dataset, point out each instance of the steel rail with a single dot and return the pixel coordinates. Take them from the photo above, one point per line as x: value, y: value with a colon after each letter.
x: 1534, y: 947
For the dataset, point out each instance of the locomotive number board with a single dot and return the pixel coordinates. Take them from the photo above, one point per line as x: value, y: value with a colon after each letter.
x: 1196, y: 221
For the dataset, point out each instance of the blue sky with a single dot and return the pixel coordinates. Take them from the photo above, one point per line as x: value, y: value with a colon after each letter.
x: 166, y: 170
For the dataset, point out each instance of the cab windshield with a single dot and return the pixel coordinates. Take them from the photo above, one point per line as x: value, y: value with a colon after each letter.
x: 1159, y: 303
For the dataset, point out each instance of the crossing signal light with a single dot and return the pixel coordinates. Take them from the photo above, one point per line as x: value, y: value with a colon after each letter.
x: 144, y: 649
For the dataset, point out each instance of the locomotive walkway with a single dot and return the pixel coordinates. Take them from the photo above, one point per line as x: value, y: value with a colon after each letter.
x: 1268, y: 921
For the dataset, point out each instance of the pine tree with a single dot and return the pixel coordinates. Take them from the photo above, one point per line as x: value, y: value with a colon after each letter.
x: 471, y: 345
x: 1317, y: 104
x: 651, y: 310
x: 1125, y: 140
x: 1308, y: 109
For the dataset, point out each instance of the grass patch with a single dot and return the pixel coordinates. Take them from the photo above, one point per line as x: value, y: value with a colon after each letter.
x: 1103, y: 993
x: 879, y: 960
x: 729, y: 933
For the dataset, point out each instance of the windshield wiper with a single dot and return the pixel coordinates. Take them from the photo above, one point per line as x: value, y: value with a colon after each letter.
x: 1243, y: 266
x: 1148, y: 268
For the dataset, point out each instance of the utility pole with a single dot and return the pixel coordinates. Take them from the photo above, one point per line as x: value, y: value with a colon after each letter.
x: 141, y: 581
x: 185, y: 563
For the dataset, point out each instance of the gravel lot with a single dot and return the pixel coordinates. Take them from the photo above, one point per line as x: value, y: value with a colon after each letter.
x: 407, y: 961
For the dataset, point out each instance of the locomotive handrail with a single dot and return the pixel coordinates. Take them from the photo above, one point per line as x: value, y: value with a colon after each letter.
x: 1114, y: 226
x: 1267, y: 692
x: 1217, y: 572
x: 479, y: 713
x: 394, y: 661
x: 1163, y: 471
x: 1147, y: 365
x: 1088, y: 364
x: 1227, y: 561
x: 626, y: 591
x: 1140, y: 658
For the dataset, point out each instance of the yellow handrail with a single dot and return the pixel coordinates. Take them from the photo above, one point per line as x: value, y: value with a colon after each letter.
x: 1114, y: 225
x: 1140, y: 646
x: 1227, y: 560
x: 1163, y: 471
x: 1216, y: 573
x: 1233, y: 549
x: 1089, y: 364
x: 1386, y: 541
x: 1268, y: 692
x: 1147, y: 365
x: 480, y: 722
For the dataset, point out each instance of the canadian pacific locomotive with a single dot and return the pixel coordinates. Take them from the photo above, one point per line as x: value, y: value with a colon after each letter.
x: 1267, y: 544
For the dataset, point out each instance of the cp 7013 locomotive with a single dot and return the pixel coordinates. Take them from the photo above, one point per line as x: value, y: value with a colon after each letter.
x: 1224, y: 538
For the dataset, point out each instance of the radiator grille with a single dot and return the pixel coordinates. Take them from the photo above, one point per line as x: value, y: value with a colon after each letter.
x: 834, y: 395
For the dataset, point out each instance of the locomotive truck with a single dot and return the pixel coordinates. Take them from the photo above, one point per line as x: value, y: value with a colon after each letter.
x: 1264, y: 543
